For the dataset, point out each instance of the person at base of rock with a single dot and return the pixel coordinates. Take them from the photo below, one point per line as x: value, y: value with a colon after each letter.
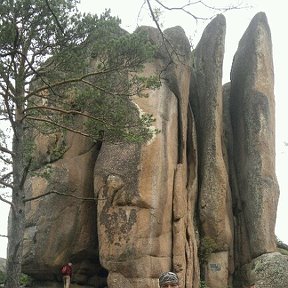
x: 168, y: 279
x: 250, y: 286
x: 66, y: 272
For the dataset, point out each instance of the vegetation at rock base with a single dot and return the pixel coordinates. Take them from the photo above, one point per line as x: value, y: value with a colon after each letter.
x: 25, y: 280
x: 2, y: 277
x: 207, y: 246
x: 282, y: 247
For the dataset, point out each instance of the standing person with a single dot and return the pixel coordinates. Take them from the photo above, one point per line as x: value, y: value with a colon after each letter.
x: 168, y: 280
x: 66, y: 272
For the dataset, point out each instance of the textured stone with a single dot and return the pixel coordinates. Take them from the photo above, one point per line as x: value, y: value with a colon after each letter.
x: 252, y: 114
x: 140, y: 232
x: 200, y: 198
x: 206, y: 97
x: 271, y: 270
x: 61, y: 228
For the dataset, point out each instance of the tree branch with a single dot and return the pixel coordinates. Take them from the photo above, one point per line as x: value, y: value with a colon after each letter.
x: 7, y: 161
x: 10, y: 53
x: 182, y: 8
x: 164, y: 38
x: 55, y: 17
x: 6, y: 201
x: 5, y: 150
x: 8, y: 185
x: 60, y: 194
x: 71, y: 80
x: 25, y: 173
x: 58, y: 125
x: 62, y: 111
x: 6, y: 176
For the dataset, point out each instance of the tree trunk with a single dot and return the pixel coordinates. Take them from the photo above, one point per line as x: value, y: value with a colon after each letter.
x: 16, y: 223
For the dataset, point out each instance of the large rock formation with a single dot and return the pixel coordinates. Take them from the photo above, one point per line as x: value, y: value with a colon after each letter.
x: 215, y: 204
x: 200, y: 198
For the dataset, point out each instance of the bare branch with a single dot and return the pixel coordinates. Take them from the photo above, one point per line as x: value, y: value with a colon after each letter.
x: 6, y: 91
x: 6, y: 201
x: 182, y: 8
x: 5, y: 236
x: 7, y: 161
x: 164, y: 38
x: 8, y: 185
x: 160, y: 30
x: 10, y: 53
x: 223, y: 9
x: 58, y: 125
x: 6, y: 176
x: 33, y: 70
x: 60, y: 83
x: 5, y: 150
x: 25, y: 173
x: 55, y: 17
x: 154, y: 18
x: 61, y: 194
x: 74, y: 112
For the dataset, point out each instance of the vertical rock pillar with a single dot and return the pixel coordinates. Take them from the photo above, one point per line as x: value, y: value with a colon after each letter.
x: 215, y: 211
x: 253, y: 123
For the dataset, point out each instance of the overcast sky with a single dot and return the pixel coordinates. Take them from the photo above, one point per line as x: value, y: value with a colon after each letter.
x: 237, y: 22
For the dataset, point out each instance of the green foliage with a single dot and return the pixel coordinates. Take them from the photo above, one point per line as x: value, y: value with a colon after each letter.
x: 2, y: 277
x: 207, y: 246
x: 57, y: 63
x: 283, y: 251
x: 46, y: 172
x: 25, y: 280
x: 61, y: 71
x: 202, y: 284
x: 28, y: 148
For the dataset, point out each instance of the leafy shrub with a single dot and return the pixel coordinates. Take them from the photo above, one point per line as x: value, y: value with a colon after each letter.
x: 2, y: 277
x: 208, y: 246
x: 25, y: 280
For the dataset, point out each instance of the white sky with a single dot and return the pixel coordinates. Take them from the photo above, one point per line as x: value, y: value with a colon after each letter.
x: 237, y: 22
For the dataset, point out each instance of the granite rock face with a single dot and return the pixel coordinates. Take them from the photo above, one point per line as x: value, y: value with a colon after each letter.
x: 215, y: 202
x: 252, y: 116
x: 199, y: 199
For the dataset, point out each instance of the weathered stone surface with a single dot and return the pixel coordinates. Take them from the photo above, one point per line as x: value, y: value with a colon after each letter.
x: 265, y: 271
x: 140, y: 232
x: 252, y: 114
x: 271, y: 270
x: 61, y: 228
x: 203, y: 190
x: 206, y: 97
x: 217, y: 269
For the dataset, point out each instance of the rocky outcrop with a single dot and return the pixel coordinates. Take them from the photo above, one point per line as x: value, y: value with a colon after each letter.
x: 252, y: 115
x: 215, y: 205
x: 60, y: 226
x: 200, y: 198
